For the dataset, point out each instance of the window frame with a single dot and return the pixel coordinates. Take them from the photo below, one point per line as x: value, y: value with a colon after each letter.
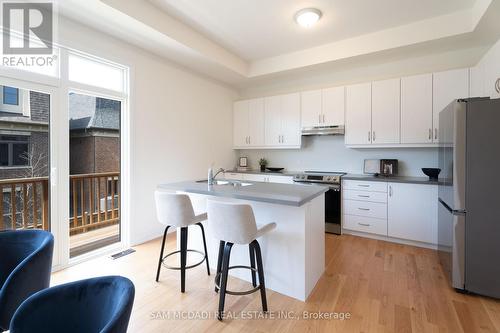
x: 10, y: 150
x: 23, y: 99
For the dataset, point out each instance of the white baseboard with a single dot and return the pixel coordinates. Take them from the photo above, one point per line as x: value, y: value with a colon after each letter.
x: 390, y: 239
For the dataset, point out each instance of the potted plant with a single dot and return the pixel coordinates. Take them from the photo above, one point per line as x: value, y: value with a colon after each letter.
x: 263, y: 164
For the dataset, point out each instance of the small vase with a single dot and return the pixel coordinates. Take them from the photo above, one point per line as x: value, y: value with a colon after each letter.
x: 262, y: 168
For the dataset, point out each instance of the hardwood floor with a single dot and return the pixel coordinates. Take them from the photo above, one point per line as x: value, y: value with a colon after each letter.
x: 385, y: 287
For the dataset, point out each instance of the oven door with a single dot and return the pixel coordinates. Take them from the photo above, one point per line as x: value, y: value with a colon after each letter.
x: 333, y: 212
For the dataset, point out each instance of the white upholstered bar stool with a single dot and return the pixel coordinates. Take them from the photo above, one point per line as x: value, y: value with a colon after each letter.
x: 235, y: 224
x: 175, y: 210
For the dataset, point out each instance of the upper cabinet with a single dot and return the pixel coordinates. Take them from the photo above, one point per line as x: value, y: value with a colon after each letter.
x: 323, y: 107
x: 358, y: 106
x: 248, y: 123
x: 416, y: 109
x: 282, y: 121
x: 447, y: 87
x: 386, y: 111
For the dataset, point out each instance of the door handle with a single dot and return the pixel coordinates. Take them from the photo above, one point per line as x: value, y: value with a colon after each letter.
x: 390, y: 191
x: 435, y: 133
x: 430, y: 133
x: 364, y: 224
x: 369, y: 136
x: 373, y: 136
x: 249, y: 139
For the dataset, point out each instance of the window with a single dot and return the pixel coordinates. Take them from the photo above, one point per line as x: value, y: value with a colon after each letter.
x: 10, y: 95
x: 14, y: 150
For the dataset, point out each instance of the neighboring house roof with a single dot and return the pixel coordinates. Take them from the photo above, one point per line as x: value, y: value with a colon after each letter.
x: 103, y: 118
x: 20, y: 119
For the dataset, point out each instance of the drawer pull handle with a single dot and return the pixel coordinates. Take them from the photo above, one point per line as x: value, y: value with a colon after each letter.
x: 365, y: 209
x: 361, y: 185
x: 364, y: 224
x: 363, y: 196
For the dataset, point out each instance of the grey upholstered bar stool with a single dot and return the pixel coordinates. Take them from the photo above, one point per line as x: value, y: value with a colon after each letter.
x: 176, y: 210
x: 235, y: 224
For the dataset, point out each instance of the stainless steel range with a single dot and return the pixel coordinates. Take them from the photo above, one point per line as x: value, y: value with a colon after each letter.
x: 333, y: 206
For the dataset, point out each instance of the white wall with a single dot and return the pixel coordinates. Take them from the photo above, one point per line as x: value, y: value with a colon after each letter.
x: 328, y: 153
x: 179, y: 122
x: 485, y: 74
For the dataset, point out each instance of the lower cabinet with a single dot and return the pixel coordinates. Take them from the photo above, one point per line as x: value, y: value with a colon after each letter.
x: 412, y: 212
x: 255, y: 177
x: 404, y: 211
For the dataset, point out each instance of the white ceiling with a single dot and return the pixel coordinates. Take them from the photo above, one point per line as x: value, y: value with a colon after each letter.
x: 259, y: 29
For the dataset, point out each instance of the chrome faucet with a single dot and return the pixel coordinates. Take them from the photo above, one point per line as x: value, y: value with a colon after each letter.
x: 211, y: 177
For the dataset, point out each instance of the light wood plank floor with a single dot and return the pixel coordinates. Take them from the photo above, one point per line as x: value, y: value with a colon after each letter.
x: 385, y: 287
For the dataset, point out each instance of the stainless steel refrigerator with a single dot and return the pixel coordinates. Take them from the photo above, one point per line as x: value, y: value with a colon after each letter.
x: 469, y: 195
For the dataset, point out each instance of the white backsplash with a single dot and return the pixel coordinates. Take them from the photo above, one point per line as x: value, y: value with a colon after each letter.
x: 328, y: 153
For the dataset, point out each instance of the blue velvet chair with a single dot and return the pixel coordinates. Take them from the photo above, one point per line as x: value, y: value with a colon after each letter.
x: 101, y: 304
x: 25, y: 265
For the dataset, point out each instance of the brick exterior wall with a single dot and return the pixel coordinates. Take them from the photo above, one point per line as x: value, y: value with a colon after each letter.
x: 94, y: 154
x: 39, y: 106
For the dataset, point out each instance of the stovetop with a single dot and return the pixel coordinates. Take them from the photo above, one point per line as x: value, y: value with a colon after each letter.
x: 323, y: 177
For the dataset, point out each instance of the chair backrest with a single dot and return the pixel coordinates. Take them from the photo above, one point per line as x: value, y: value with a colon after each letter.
x: 101, y: 304
x: 25, y: 266
x: 174, y: 209
x: 234, y: 223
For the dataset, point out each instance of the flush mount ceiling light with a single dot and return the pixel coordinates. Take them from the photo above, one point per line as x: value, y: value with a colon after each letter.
x: 307, y: 17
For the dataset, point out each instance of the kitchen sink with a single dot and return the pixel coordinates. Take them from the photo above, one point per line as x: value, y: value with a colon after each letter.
x: 235, y: 183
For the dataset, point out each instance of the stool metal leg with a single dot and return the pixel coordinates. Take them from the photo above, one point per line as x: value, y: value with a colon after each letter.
x: 161, y: 253
x: 219, y: 264
x: 260, y: 268
x: 224, y: 273
x: 252, y: 263
x: 184, y: 238
x: 204, y: 246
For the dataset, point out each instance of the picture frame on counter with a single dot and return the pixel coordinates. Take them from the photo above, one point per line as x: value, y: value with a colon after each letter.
x: 243, y: 162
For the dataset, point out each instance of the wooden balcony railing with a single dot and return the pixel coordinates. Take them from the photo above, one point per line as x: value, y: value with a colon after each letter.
x: 94, y: 202
x: 24, y: 203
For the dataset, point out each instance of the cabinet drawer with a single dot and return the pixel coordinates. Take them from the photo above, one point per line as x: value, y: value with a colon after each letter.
x: 365, y: 196
x: 365, y: 186
x: 365, y: 224
x: 234, y: 175
x: 365, y: 208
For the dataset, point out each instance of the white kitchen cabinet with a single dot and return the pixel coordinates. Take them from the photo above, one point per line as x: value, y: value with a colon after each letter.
x: 323, y: 107
x: 256, y: 177
x: 416, y: 109
x: 447, y: 86
x: 290, y: 120
x: 240, y: 124
x: 282, y: 120
x: 412, y: 212
x: 358, y: 108
x: 248, y: 123
x: 234, y: 176
x: 311, y: 104
x: 333, y: 106
x: 280, y: 179
x: 386, y: 111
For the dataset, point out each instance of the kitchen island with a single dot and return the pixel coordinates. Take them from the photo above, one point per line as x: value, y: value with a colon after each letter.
x: 293, y: 254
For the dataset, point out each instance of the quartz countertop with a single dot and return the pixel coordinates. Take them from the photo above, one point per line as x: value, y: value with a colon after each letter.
x: 392, y: 179
x: 280, y: 194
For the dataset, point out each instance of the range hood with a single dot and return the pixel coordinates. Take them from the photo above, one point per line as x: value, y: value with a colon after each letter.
x: 323, y: 130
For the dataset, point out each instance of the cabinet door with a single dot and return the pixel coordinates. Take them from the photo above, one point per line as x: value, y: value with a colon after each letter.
x: 333, y: 106
x: 290, y: 120
x: 416, y: 109
x: 281, y: 179
x: 256, y: 122
x: 358, y: 114
x: 311, y: 108
x: 386, y: 111
x: 447, y: 86
x: 272, y: 122
x: 412, y: 212
x: 234, y: 176
x: 240, y: 124
x: 255, y: 177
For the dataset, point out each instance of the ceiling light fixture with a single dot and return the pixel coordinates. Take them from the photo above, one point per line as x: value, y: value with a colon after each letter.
x: 307, y: 17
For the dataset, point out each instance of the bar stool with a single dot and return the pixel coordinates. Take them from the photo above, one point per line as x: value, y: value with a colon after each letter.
x: 235, y: 224
x: 176, y: 210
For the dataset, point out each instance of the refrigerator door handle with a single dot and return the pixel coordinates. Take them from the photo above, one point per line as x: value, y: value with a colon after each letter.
x: 457, y: 212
